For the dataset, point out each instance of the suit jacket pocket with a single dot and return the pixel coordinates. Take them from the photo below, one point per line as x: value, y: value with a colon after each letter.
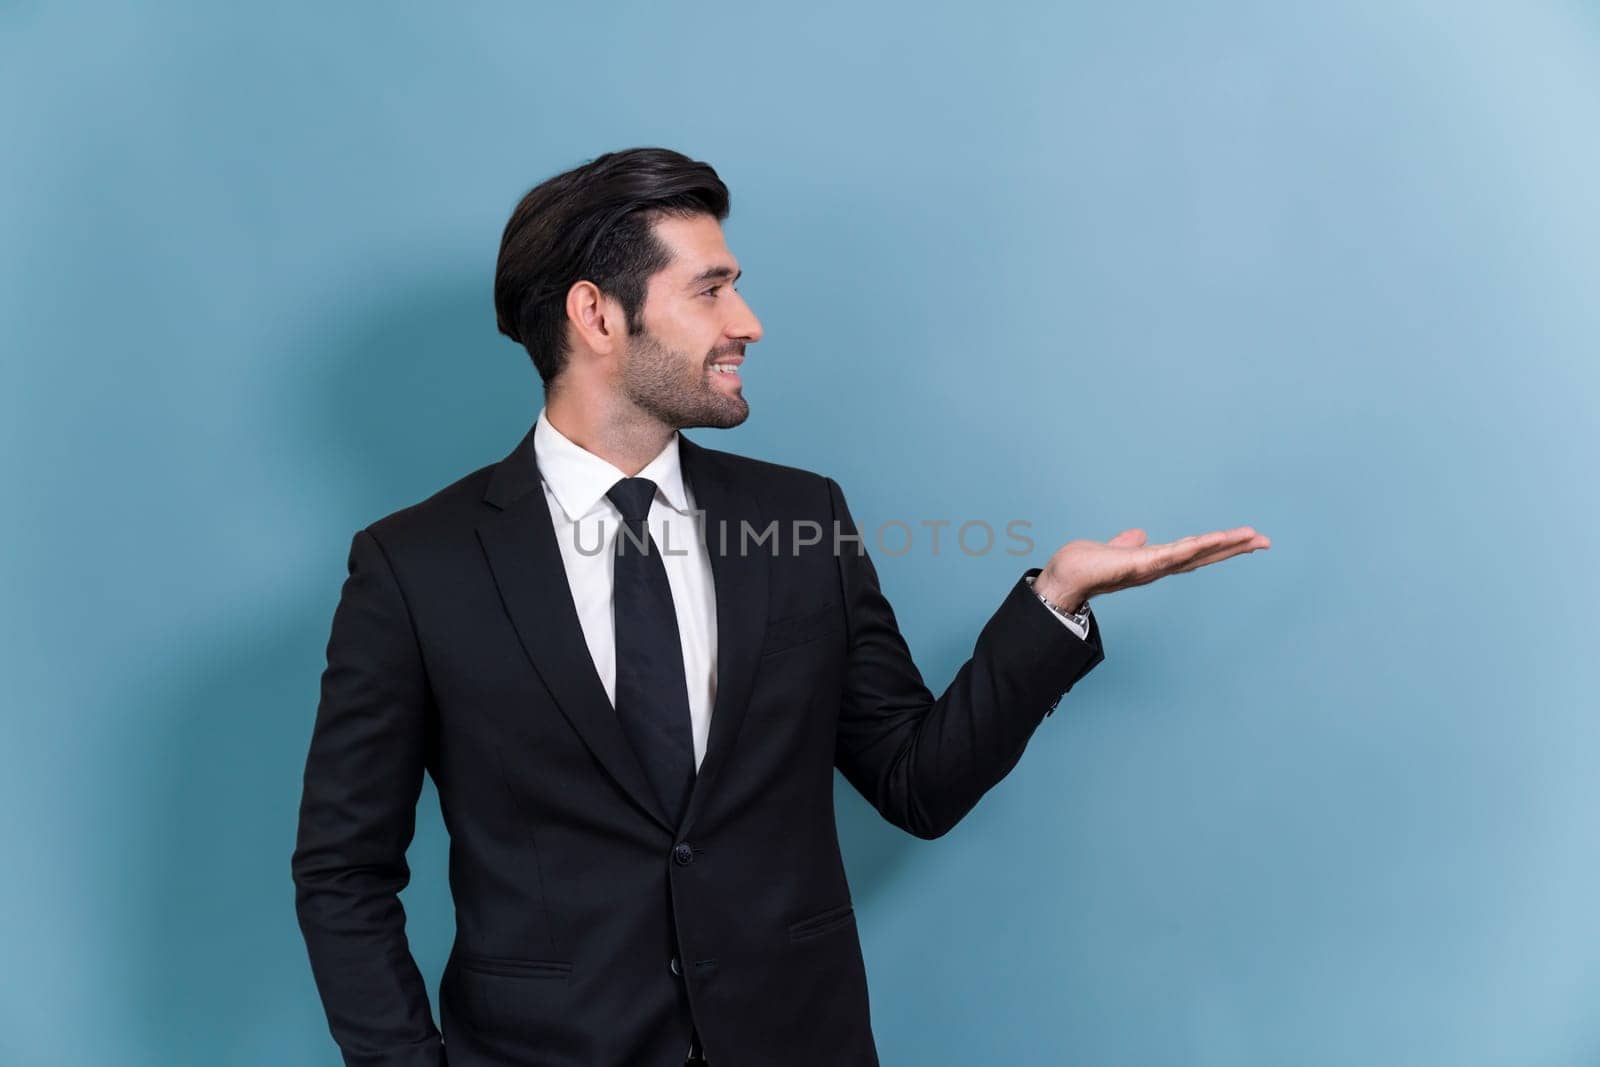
x: 798, y: 629
x: 822, y: 922
x: 513, y: 968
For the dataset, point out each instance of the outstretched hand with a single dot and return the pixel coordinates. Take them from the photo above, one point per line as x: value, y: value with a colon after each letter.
x: 1082, y: 569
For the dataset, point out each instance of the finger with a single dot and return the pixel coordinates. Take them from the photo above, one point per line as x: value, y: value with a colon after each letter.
x: 1217, y: 555
x: 1132, y: 538
x: 1193, y: 553
x: 1184, y: 550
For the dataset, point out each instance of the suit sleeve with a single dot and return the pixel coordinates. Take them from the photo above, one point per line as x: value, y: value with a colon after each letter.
x: 924, y: 762
x: 363, y: 775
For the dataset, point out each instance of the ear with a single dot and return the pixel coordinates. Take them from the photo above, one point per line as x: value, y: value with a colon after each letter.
x: 597, y: 320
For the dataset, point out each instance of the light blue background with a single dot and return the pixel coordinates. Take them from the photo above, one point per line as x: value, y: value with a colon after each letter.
x: 1330, y: 271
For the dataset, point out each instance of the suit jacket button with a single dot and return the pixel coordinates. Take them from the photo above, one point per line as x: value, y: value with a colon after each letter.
x: 683, y: 854
x: 677, y: 968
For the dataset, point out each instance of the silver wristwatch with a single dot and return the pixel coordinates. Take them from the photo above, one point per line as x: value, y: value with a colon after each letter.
x: 1081, y: 616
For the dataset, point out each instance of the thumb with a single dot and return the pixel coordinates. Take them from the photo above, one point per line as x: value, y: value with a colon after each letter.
x: 1131, y: 538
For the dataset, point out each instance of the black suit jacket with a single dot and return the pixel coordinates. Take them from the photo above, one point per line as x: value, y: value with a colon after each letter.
x: 589, y: 931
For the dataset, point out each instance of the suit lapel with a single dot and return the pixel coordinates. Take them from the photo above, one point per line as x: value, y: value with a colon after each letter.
x: 740, y: 578
x: 520, y: 544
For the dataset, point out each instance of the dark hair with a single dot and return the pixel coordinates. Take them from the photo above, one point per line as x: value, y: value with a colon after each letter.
x: 593, y: 223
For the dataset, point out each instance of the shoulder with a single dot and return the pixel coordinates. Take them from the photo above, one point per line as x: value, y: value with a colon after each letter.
x: 440, y: 517
x: 779, y: 487
x: 749, y: 470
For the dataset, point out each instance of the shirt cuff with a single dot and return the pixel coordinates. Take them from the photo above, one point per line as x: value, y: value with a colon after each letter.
x: 1078, y: 624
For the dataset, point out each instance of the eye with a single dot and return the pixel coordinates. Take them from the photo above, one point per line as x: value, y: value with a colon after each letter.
x: 711, y: 291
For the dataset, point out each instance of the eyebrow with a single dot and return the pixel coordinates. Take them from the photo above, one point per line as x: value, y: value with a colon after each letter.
x: 722, y: 271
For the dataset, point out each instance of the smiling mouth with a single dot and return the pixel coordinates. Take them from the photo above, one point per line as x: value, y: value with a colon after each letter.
x: 728, y: 368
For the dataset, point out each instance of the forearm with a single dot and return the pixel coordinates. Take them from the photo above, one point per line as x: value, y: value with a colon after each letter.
x: 922, y: 761
x: 348, y: 907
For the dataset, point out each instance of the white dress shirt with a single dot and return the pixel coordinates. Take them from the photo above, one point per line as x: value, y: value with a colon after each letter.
x: 586, y: 525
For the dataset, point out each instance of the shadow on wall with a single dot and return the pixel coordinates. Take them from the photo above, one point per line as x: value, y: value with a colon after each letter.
x: 399, y: 402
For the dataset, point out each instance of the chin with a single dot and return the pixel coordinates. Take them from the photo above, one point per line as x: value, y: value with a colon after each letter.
x: 726, y: 420
x: 720, y: 416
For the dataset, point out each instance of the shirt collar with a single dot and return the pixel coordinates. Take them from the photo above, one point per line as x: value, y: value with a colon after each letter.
x: 580, y: 479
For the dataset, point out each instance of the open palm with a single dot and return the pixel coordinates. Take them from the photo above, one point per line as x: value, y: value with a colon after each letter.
x: 1083, y: 568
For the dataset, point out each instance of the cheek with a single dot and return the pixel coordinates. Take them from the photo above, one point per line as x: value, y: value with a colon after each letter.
x: 688, y: 328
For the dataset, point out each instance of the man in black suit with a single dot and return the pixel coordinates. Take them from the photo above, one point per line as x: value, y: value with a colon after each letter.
x: 631, y: 664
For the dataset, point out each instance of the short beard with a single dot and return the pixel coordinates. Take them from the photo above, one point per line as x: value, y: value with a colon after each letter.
x: 664, y: 383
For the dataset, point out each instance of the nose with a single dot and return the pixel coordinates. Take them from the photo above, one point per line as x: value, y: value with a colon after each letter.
x: 745, y: 326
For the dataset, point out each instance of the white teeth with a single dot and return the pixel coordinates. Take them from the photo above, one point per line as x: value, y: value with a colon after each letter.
x: 725, y: 368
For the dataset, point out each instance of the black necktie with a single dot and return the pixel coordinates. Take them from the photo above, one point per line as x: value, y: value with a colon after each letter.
x: 652, y: 698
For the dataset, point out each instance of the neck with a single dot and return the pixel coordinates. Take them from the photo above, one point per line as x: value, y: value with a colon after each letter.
x: 610, y: 427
